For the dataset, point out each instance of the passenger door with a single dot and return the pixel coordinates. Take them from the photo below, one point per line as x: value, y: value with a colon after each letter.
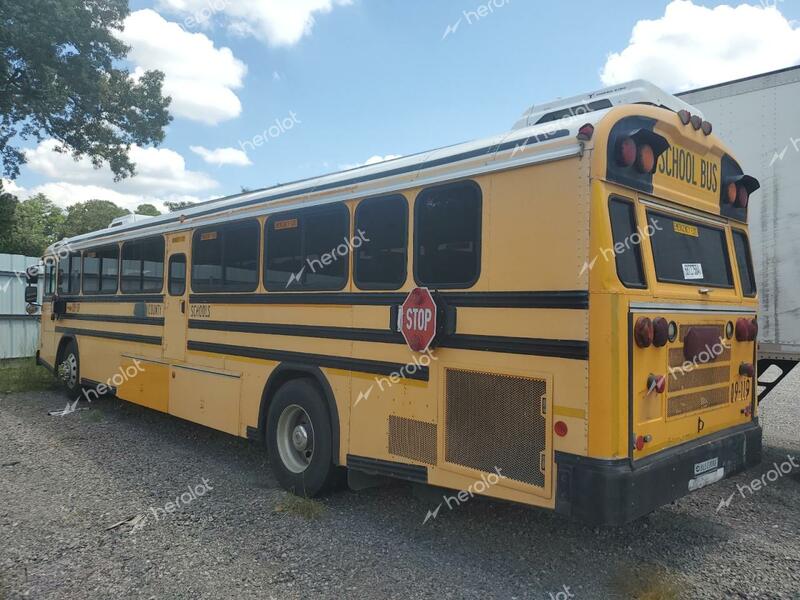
x: 176, y: 299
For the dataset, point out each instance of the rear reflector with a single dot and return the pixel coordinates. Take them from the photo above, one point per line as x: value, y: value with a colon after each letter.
x: 643, y: 332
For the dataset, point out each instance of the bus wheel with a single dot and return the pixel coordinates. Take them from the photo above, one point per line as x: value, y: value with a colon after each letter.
x: 69, y: 367
x: 299, y: 439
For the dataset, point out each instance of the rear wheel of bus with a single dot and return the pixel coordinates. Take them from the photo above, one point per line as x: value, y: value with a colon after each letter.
x: 69, y: 367
x: 299, y: 439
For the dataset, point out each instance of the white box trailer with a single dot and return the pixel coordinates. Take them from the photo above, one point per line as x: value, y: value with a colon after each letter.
x: 759, y: 118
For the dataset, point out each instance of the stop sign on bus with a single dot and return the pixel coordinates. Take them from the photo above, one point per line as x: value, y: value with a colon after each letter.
x: 417, y: 319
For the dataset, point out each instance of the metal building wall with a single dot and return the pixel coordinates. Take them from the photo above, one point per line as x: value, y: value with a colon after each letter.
x: 759, y: 118
x: 19, y: 332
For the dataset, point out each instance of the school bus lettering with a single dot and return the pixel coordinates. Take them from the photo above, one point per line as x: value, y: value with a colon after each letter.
x: 679, y: 163
x: 155, y: 310
x: 201, y: 311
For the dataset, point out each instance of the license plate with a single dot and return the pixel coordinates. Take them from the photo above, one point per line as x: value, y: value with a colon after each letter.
x: 706, y: 465
x: 706, y: 479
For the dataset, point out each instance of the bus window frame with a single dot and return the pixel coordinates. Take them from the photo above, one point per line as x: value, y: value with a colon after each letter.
x: 366, y: 203
x: 301, y: 214
x: 645, y: 285
x: 696, y: 222
x: 101, y: 291
x: 220, y: 227
x: 172, y: 258
x: 141, y: 271
x: 478, y: 240
x: 749, y: 257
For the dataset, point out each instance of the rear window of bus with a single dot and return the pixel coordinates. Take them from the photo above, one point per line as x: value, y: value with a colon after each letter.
x: 744, y: 261
x: 689, y: 253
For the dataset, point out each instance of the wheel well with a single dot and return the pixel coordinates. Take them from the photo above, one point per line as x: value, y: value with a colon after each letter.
x: 65, y: 340
x: 286, y: 372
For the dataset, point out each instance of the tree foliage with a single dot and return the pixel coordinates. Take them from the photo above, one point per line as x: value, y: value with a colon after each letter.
x: 147, y: 210
x: 60, y: 78
x: 8, y: 213
x: 91, y: 215
x: 38, y: 224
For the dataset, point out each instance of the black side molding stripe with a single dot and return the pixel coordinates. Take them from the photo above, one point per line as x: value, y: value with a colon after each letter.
x: 398, y: 470
x: 112, y: 335
x: 115, y: 319
x: 574, y: 300
x: 358, y: 365
x: 574, y: 349
x: 333, y: 333
x: 119, y: 299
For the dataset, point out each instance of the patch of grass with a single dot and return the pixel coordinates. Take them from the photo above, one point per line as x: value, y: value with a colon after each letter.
x: 301, y: 507
x: 25, y: 376
x: 648, y: 582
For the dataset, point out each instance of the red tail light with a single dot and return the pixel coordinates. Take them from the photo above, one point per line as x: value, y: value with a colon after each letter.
x: 707, y: 127
x: 646, y: 159
x: 643, y: 332
x: 696, y: 122
x: 586, y: 132
x: 747, y: 370
x: 742, y: 197
x: 731, y: 193
x: 627, y: 152
x: 640, y: 443
x: 685, y: 116
x: 660, y: 332
x: 561, y: 428
x: 746, y: 331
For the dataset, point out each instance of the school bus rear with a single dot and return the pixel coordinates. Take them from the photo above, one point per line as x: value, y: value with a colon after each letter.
x: 672, y: 318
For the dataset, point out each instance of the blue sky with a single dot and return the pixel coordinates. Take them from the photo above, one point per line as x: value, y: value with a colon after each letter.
x: 376, y: 77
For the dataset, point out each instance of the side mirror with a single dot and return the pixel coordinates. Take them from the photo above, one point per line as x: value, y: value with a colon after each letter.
x: 31, y: 294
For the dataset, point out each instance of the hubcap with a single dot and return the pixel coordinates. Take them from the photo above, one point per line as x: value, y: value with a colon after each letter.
x: 68, y: 370
x: 295, y: 437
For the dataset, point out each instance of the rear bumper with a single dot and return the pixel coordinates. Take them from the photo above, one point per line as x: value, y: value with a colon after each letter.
x: 614, y: 492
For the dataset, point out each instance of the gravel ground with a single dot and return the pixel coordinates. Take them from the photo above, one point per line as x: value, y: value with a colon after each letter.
x: 65, y: 480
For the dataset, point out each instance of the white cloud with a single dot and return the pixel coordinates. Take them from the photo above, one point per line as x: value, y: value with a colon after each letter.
x: 11, y: 187
x: 199, y: 76
x: 373, y: 160
x: 277, y: 22
x: 161, y: 175
x: 222, y: 156
x: 693, y: 46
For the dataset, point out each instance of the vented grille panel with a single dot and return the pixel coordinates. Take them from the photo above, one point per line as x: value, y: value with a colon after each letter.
x: 680, y: 405
x: 677, y: 359
x: 496, y: 421
x: 697, y: 378
x: 412, y: 439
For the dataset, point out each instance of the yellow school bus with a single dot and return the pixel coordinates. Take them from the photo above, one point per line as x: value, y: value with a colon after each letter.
x: 563, y: 315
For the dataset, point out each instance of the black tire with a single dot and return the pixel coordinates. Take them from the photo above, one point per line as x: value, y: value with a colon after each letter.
x: 68, y: 369
x: 297, y: 410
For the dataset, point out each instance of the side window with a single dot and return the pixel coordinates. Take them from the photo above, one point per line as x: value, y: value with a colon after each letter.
x: 143, y: 266
x: 101, y: 270
x: 225, y: 258
x: 177, y: 275
x: 75, y: 273
x: 382, y: 256
x: 447, y: 221
x: 745, y: 262
x: 623, y: 228
x: 308, y: 249
x: 50, y: 271
x: 63, y: 275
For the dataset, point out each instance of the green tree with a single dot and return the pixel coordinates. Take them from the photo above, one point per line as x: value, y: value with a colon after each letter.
x: 147, y: 210
x: 8, y: 212
x: 59, y: 78
x: 37, y: 224
x: 91, y: 215
x: 179, y: 205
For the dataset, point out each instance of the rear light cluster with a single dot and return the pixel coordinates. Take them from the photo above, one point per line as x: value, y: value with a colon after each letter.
x: 654, y: 332
x: 746, y: 330
x: 696, y: 122
x: 736, y: 194
x: 638, y: 155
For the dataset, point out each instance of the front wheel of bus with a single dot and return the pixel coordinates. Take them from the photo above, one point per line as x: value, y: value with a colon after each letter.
x: 69, y: 367
x: 299, y: 439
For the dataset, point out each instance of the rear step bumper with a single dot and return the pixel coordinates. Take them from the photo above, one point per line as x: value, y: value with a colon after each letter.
x: 612, y: 492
